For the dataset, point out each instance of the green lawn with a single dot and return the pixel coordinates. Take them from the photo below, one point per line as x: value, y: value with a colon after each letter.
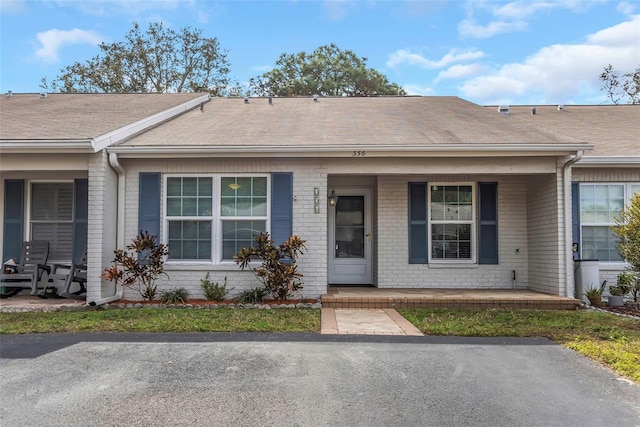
x: 163, y: 320
x: 611, y: 340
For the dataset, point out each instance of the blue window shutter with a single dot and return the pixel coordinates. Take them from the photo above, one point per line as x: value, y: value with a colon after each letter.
x: 575, y: 216
x: 80, y: 218
x: 149, y: 203
x: 281, y: 206
x: 13, y: 219
x: 488, y: 222
x: 418, y: 228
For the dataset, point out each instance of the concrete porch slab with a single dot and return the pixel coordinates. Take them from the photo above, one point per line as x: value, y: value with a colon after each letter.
x: 376, y: 298
x: 33, y: 303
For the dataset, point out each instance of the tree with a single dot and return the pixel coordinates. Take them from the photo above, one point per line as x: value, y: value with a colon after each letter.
x: 627, y: 229
x: 327, y: 71
x: 619, y: 86
x: 157, y: 60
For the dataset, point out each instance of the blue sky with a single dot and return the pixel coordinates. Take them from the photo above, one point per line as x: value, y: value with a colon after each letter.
x: 488, y: 52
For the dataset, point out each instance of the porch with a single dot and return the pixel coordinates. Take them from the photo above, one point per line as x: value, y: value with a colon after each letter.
x: 370, y: 297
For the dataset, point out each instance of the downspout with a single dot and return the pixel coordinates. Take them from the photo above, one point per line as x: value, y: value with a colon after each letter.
x: 117, y: 167
x: 568, y: 239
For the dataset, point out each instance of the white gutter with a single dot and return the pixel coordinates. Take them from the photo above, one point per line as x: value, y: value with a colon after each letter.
x: 568, y: 238
x: 609, y: 161
x: 54, y: 146
x: 118, y: 135
x: 381, y: 150
x: 117, y: 167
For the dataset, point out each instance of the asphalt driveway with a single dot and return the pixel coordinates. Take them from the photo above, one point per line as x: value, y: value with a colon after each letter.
x: 304, y: 379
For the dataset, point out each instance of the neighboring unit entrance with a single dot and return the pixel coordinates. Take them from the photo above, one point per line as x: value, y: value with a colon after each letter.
x: 350, y: 237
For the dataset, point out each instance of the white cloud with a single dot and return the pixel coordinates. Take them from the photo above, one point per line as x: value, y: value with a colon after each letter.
x: 523, y: 9
x: 403, y: 56
x: 557, y: 73
x: 511, y: 17
x: 417, y: 89
x: 468, y: 27
x: 53, y: 40
x: 459, y: 71
x: 626, y: 8
x: 203, y: 17
x: 12, y: 7
x: 127, y: 7
x: 337, y: 10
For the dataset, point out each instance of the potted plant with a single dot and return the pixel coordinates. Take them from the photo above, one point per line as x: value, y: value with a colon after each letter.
x: 620, y: 289
x: 594, y: 294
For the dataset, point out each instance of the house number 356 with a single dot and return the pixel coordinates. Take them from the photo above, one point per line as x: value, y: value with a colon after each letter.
x: 358, y: 154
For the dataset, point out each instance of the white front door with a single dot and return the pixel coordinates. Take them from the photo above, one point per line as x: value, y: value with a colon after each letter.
x: 350, y: 237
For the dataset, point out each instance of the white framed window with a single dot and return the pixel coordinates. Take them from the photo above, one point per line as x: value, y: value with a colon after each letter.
x: 51, y: 216
x: 600, y: 205
x: 211, y: 217
x: 452, y: 222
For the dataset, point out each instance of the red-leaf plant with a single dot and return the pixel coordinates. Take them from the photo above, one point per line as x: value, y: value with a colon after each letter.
x: 138, y: 268
x: 278, y: 271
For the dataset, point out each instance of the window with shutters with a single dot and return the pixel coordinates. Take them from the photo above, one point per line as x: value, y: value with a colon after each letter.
x: 51, y: 217
x: 210, y: 218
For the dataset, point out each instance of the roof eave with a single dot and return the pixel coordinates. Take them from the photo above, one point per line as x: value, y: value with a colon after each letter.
x: 609, y: 161
x: 440, y: 150
x: 103, y: 141
x: 47, y: 146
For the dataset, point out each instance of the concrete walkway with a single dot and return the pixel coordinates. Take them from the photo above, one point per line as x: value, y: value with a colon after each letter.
x: 347, y: 321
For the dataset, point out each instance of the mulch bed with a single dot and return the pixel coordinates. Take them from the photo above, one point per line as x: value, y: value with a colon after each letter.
x: 207, y: 303
x: 630, y: 309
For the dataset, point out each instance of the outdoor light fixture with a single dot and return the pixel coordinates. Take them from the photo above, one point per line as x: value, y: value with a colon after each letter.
x: 333, y: 198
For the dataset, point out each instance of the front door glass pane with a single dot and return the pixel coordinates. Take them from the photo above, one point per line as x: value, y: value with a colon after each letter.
x: 350, y: 227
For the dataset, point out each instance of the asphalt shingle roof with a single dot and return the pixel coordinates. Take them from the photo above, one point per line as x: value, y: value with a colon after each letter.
x: 303, y: 122
x: 78, y: 116
x: 614, y: 130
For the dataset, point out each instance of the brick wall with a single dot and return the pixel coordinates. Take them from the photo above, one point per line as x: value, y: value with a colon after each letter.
x: 312, y: 227
x: 102, y: 223
x: 394, y: 270
x: 546, y: 264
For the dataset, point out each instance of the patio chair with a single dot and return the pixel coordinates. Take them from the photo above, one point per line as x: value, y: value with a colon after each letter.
x: 33, y: 263
x: 76, y: 273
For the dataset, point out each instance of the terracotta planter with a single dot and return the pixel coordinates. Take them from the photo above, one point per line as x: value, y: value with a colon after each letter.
x: 595, y: 301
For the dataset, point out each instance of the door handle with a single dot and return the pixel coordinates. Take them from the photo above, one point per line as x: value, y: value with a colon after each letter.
x: 368, y: 236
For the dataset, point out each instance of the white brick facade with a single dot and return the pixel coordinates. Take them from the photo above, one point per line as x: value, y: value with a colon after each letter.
x: 394, y: 269
x: 530, y: 227
x: 101, y: 238
x: 310, y: 226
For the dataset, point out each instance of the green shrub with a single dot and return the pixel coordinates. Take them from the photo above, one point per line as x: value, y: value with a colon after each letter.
x: 213, y: 291
x: 252, y: 296
x: 174, y: 296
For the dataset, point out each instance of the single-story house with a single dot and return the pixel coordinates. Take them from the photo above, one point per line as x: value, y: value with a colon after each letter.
x: 393, y: 192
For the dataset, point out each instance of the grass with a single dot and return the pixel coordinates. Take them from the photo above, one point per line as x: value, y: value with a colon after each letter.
x: 162, y: 320
x: 611, y: 340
